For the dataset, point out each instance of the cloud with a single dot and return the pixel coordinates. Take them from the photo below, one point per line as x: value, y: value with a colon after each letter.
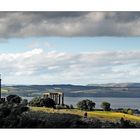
x: 38, y: 66
x: 33, y: 45
x: 68, y: 24
x: 48, y: 45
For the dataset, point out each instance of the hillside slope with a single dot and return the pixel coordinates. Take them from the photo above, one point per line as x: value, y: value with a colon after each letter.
x: 114, y: 90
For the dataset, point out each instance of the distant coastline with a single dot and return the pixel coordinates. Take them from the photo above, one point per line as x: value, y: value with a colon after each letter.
x: 120, y: 90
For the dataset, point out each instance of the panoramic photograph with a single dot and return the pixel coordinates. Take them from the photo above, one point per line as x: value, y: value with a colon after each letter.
x: 70, y: 69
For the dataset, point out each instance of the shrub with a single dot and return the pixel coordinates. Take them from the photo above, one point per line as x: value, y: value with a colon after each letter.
x: 13, y: 99
x: 10, y: 114
x: 35, y: 102
x: 125, y: 110
x: 126, y: 123
x: 130, y: 111
x: 86, y: 105
x: 47, y: 102
x: 47, y: 120
x: 71, y: 107
x: 24, y: 102
x: 105, y: 106
x: 59, y: 107
x: 67, y: 106
x: 40, y: 102
x: 2, y: 100
x: 62, y: 107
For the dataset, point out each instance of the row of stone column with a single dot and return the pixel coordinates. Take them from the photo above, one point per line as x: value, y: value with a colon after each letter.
x: 58, y: 98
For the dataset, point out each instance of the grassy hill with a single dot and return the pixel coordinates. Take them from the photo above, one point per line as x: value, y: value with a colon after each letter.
x: 104, y: 115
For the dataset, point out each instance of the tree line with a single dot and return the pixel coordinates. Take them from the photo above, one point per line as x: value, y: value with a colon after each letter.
x: 89, y: 105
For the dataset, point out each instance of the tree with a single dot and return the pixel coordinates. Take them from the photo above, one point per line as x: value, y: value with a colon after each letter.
x: 13, y: 99
x: 105, y: 106
x: 11, y: 114
x: 35, y: 102
x: 71, y: 107
x: 126, y: 124
x: 40, y: 102
x: 47, y: 102
x: 86, y: 105
x: 130, y: 111
x: 24, y: 102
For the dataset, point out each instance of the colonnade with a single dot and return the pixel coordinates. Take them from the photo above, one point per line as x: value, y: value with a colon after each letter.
x: 58, y: 97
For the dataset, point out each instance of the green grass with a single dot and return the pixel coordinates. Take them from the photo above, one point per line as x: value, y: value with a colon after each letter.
x: 113, y: 115
x: 4, y: 90
x: 105, y: 115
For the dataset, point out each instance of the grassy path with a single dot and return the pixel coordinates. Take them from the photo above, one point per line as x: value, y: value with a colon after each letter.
x: 105, y: 115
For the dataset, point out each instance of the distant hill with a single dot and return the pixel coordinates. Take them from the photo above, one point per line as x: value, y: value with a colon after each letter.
x: 117, y: 85
x: 91, y: 90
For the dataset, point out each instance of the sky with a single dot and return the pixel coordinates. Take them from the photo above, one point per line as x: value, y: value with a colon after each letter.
x: 69, y: 47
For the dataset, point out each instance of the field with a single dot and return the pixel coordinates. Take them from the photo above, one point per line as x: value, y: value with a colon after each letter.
x: 4, y: 90
x: 104, y: 115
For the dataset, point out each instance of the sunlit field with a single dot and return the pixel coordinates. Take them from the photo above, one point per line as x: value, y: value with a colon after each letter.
x: 105, y: 115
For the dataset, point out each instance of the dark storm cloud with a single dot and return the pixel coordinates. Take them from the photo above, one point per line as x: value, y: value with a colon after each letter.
x: 69, y: 24
x: 126, y: 16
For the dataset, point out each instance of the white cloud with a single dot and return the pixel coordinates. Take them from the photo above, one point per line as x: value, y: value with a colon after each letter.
x: 61, y: 67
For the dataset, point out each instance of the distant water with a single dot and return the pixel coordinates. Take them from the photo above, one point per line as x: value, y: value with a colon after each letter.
x: 115, y: 102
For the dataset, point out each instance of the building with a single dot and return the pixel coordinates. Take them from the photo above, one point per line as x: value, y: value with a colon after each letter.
x: 58, y: 97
